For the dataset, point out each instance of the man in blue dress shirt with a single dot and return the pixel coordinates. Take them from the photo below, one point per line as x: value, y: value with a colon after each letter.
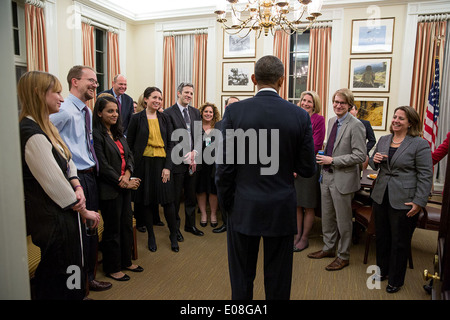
x: 74, y: 123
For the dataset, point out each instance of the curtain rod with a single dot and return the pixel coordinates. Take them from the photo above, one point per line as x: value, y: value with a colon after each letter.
x: 185, y: 32
x: 98, y: 24
x: 36, y: 3
x: 434, y: 17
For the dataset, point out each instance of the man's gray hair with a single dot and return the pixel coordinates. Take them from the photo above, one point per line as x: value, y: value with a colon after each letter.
x: 184, y: 84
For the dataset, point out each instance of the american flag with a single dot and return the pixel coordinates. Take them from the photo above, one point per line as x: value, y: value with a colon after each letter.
x: 430, y: 125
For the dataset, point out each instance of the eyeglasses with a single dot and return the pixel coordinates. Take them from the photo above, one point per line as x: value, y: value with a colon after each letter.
x: 92, y: 81
x: 342, y: 103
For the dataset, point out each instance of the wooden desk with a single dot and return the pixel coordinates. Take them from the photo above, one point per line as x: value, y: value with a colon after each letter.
x: 365, y: 181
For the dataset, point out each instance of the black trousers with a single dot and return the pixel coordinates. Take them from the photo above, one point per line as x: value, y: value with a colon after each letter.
x: 187, y: 183
x: 242, y: 260
x: 117, y: 240
x: 90, y: 242
x: 393, y: 231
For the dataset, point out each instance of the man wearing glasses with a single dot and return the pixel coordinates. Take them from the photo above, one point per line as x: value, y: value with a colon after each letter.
x: 340, y: 178
x: 74, y: 123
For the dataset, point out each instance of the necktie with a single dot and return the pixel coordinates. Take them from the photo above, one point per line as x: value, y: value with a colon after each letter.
x: 188, y: 125
x: 186, y: 117
x: 119, y: 104
x: 87, y: 119
x: 330, y: 144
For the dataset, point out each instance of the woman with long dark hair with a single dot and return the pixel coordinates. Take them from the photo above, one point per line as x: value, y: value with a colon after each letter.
x: 115, y: 184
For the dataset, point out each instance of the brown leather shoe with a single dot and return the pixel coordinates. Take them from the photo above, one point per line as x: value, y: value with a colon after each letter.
x: 96, y: 285
x: 321, y: 254
x: 337, y: 264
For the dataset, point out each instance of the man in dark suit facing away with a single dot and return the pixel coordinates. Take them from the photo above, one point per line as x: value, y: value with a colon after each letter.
x: 266, y: 140
x: 124, y: 101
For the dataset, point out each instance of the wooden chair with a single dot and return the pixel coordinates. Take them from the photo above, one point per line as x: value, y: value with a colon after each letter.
x: 430, y: 217
x: 363, y: 215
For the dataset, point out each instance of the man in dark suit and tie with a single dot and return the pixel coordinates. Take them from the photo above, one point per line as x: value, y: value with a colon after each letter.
x: 124, y: 101
x: 184, y: 116
x: 257, y: 189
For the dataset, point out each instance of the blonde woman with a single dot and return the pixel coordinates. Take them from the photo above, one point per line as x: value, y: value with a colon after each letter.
x: 308, y: 189
x: 53, y: 194
x: 206, y: 187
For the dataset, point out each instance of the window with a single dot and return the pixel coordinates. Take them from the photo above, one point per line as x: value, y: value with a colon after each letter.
x: 298, y: 66
x: 18, y: 29
x: 100, y: 59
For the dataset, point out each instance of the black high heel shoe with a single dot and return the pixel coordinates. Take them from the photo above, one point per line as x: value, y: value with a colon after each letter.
x: 152, y: 244
x: 203, y: 224
x: 214, y: 224
x: 173, y: 243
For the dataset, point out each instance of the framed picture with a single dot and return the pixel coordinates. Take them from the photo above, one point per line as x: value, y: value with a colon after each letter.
x: 236, y: 76
x: 372, y: 36
x: 370, y: 75
x: 241, y: 45
x: 374, y: 110
x: 224, y: 98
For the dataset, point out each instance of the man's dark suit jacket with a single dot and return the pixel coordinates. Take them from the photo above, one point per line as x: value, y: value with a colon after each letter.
x: 265, y: 205
x: 110, y: 163
x: 127, y: 109
x: 370, y: 135
x: 138, y: 132
x: 177, y: 120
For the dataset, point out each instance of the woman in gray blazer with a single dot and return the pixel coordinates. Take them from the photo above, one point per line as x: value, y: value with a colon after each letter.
x: 401, y: 189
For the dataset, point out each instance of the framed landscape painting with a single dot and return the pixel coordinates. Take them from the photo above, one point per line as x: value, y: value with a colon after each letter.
x: 374, y: 110
x: 241, y: 45
x: 370, y: 75
x: 372, y: 36
x: 237, y: 76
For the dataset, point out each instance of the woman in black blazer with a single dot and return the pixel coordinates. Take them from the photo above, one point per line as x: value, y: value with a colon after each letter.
x: 149, y: 138
x: 115, y: 169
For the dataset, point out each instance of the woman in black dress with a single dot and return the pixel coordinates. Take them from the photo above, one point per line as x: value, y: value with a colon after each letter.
x: 149, y: 138
x: 206, y: 187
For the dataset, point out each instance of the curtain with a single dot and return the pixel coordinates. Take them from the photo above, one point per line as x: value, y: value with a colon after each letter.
x: 199, y: 69
x: 36, y: 41
x: 169, y: 89
x: 88, y: 51
x: 319, y: 64
x: 184, y: 55
x: 444, y: 102
x: 281, y: 50
x: 113, y: 56
x: 423, y: 69
x: 88, y: 45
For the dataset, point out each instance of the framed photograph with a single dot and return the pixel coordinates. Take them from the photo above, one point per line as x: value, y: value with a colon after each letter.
x: 236, y: 76
x: 241, y: 45
x: 224, y: 98
x: 372, y: 36
x: 374, y: 110
x: 370, y: 75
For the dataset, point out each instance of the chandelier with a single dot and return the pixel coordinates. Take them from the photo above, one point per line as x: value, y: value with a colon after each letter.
x: 266, y: 15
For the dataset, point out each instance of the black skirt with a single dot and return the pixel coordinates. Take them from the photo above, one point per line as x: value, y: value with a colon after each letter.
x: 152, y: 189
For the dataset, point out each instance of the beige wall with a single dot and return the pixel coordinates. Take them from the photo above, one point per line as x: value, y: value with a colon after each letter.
x: 140, y: 58
x: 65, y: 42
